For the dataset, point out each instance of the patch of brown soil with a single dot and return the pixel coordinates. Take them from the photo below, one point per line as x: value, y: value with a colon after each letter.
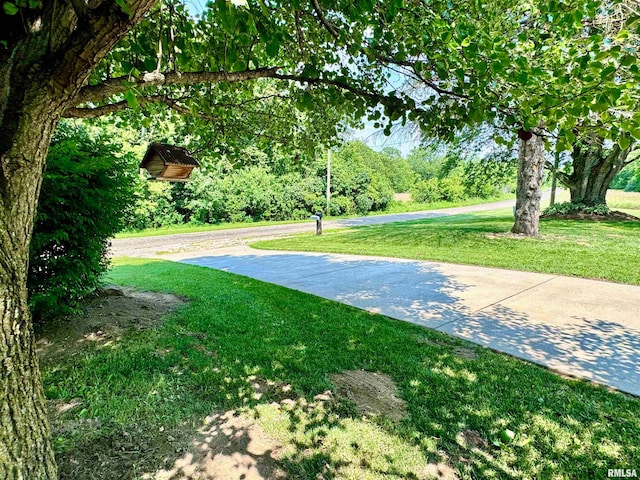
x: 373, y: 393
x: 105, y: 317
x: 471, y: 439
x: 441, y: 471
x: 227, y: 447
x: 613, y: 216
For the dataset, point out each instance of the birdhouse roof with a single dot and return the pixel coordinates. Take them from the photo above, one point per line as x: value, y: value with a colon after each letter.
x: 170, y: 155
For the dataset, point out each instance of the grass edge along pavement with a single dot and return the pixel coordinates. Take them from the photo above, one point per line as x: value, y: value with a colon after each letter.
x: 397, y: 207
x: 596, y: 250
x: 527, y: 422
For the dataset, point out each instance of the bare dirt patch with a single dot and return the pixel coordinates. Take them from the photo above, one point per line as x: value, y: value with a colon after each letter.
x: 471, y: 439
x: 225, y: 447
x: 105, y: 317
x: 373, y: 393
x: 228, y: 446
x: 466, y: 353
x: 441, y: 471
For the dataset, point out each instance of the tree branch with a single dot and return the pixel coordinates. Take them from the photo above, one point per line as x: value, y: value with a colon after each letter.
x: 114, y: 86
x: 333, y: 83
x: 330, y: 28
x: 80, y: 7
x: 174, y: 104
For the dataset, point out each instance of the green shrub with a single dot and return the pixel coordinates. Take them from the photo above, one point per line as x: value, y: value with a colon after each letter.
x: 452, y: 188
x: 155, y: 206
x: 86, y: 189
x: 426, y: 191
x: 567, y: 208
x: 341, y: 205
x: 363, y: 204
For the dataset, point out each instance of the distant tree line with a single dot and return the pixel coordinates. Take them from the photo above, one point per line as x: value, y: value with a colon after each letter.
x: 362, y: 181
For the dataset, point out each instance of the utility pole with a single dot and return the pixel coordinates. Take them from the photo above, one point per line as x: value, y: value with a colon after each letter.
x: 328, y: 179
x: 554, y: 179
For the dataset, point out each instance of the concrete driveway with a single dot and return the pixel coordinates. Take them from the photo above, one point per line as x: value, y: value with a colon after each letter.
x: 583, y: 328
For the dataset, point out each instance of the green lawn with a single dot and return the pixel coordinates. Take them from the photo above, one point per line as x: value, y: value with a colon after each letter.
x: 527, y: 421
x: 192, y: 228
x: 394, y: 207
x: 601, y: 250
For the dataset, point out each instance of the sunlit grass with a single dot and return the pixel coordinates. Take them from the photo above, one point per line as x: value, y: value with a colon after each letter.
x: 619, y: 200
x: 235, y: 330
x: 394, y: 207
x: 601, y: 250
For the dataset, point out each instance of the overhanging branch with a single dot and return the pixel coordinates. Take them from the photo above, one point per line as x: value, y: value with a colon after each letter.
x: 114, y: 86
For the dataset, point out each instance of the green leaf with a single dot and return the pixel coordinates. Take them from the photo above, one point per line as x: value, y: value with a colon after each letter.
x: 523, y: 78
x: 607, y: 72
x: 624, y: 141
x: 507, y: 435
x: 9, y: 8
x: 124, y: 6
x: 131, y: 99
x: 273, y: 47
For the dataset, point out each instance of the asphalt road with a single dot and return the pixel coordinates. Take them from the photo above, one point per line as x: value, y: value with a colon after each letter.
x: 201, y: 241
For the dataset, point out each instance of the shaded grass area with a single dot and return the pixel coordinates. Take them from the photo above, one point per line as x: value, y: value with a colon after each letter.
x: 529, y: 422
x: 601, y: 250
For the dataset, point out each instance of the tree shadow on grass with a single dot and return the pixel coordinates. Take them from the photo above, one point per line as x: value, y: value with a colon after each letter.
x: 236, y: 328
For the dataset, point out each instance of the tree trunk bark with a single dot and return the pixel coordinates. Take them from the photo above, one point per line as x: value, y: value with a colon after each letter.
x: 593, y: 170
x: 531, y: 163
x: 25, y: 448
x: 554, y: 179
x: 43, y: 67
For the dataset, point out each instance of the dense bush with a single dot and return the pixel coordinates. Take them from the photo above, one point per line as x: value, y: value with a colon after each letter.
x: 426, y: 191
x: 628, y: 179
x: 568, y: 208
x: 85, y: 190
x: 484, y: 178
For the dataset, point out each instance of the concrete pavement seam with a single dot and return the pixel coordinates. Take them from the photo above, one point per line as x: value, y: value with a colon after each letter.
x: 498, y: 301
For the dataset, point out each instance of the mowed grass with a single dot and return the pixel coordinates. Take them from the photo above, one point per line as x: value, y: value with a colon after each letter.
x: 599, y: 250
x: 193, y: 228
x: 394, y: 207
x: 527, y: 421
x: 619, y: 200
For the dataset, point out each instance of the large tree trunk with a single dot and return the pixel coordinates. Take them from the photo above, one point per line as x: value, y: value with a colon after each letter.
x: 47, y: 60
x: 594, y: 168
x: 25, y: 449
x: 531, y: 163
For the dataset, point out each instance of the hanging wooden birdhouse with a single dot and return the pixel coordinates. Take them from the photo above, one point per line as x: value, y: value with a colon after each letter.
x: 168, y: 162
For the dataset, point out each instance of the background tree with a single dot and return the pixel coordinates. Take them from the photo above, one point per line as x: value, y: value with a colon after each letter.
x: 594, y: 160
x: 593, y: 168
x: 533, y: 69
